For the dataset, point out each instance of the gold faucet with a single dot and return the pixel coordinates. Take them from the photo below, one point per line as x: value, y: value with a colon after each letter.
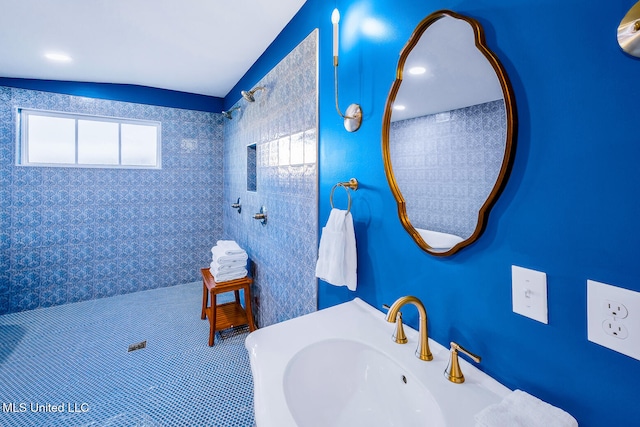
x: 422, y: 352
x: 453, y: 372
x: 398, y: 336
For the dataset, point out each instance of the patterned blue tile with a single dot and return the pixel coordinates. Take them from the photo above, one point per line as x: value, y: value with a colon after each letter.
x: 82, y: 358
x: 54, y: 277
x: 27, y: 258
x: 22, y: 300
x: 282, y: 124
x: 54, y: 295
x: 70, y: 220
x: 79, y: 291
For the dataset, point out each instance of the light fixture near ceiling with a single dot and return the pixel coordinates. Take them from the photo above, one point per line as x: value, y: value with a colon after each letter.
x: 57, y: 56
x: 417, y: 70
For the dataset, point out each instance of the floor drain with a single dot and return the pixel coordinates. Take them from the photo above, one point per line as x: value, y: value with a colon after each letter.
x: 137, y: 346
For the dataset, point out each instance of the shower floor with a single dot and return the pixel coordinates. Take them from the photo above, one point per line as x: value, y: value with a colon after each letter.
x: 69, y: 365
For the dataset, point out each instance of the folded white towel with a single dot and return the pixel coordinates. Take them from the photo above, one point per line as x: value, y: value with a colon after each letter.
x: 222, y: 276
x: 337, y: 258
x: 220, y: 256
x: 520, y: 409
x: 227, y: 276
x: 227, y: 266
x: 230, y: 247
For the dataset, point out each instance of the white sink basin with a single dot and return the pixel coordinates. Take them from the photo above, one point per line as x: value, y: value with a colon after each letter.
x: 339, y: 367
x: 343, y: 383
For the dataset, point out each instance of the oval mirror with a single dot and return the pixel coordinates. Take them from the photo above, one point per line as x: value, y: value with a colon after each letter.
x: 448, y: 132
x: 629, y: 31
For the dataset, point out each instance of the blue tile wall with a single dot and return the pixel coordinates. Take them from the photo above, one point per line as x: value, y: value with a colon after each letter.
x: 74, y: 234
x: 282, y: 122
x: 459, y: 162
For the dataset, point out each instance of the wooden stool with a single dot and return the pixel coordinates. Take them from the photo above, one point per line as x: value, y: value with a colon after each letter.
x: 230, y: 314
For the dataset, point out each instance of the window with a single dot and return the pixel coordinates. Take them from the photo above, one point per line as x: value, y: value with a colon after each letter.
x: 60, y: 139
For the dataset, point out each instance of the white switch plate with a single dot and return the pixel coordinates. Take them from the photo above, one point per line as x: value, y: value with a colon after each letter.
x: 613, y: 318
x: 529, y: 293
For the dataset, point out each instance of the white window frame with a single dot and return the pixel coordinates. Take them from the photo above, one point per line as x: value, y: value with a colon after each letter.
x: 23, y: 139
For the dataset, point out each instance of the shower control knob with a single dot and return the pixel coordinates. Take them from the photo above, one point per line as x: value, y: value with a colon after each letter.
x: 262, y: 215
x: 237, y: 205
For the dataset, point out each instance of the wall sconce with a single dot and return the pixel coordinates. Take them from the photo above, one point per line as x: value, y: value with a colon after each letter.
x: 629, y: 31
x: 353, y: 116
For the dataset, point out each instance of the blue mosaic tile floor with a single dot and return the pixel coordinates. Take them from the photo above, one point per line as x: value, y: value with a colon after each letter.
x: 75, y: 355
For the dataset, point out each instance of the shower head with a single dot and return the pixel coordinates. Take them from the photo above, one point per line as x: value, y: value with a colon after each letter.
x: 228, y: 114
x: 249, y: 95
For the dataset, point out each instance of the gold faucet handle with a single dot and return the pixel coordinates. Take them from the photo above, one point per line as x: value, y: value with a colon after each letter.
x: 398, y: 336
x: 453, y: 372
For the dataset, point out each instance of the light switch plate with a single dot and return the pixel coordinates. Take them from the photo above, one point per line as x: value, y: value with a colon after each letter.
x: 529, y: 293
x: 613, y: 318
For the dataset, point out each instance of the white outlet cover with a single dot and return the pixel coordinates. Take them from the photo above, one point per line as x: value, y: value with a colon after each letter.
x: 599, y: 296
x: 529, y: 293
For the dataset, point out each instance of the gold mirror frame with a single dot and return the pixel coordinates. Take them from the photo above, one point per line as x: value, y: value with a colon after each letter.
x: 511, y: 121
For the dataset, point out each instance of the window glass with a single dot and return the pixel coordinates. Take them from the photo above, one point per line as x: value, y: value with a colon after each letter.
x: 139, y: 145
x: 51, y: 140
x: 61, y: 139
x: 98, y: 143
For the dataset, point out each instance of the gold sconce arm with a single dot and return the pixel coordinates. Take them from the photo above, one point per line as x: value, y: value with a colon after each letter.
x: 353, y: 116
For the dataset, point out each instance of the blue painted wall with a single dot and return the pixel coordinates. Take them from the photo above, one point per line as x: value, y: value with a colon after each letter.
x: 570, y: 207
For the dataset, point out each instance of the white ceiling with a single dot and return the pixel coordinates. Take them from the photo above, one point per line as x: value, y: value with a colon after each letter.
x: 196, y: 46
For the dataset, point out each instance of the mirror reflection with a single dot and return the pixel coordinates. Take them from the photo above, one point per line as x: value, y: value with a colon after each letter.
x: 447, y: 132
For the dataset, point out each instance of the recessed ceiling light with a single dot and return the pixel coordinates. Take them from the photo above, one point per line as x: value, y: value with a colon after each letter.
x: 60, y: 57
x: 399, y: 107
x: 417, y: 70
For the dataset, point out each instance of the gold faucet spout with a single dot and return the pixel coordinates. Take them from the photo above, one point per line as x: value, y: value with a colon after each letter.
x: 422, y: 352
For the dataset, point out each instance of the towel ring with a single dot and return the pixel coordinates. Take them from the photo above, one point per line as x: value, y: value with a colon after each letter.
x: 351, y: 184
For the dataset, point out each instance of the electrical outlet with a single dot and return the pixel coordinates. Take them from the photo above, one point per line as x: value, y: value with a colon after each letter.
x: 615, y: 329
x: 615, y: 309
x: 613, y: 318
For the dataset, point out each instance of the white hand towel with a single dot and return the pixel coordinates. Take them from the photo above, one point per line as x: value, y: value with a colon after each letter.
x: 337, y: 257
x: 230, y: 247
x: 520, y: 409
x: 220, y: 256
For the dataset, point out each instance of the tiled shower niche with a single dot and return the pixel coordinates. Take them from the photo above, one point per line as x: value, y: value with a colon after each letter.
x: 71, y: 234
x: 282, y: 123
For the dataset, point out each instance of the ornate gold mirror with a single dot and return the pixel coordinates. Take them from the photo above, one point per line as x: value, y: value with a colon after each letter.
x: 448, y: 132
x: 629, y: 31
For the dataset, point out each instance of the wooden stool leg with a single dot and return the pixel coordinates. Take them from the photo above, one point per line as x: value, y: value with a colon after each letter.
x: 247, y: 303
x: 212, y: 319
x: 205, y: 299
x: 237, y: 293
